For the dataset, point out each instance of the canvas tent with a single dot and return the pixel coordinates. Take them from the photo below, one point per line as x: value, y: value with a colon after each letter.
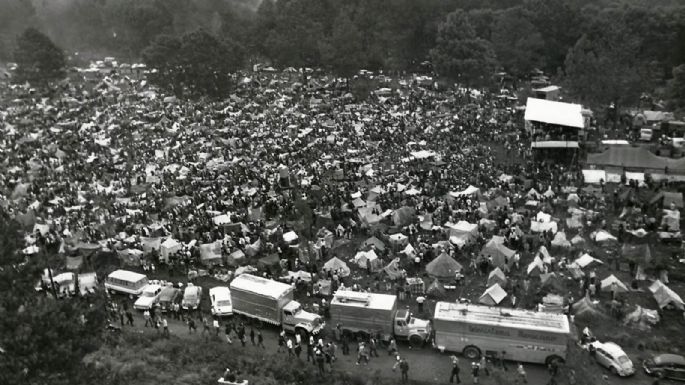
x: 235, y: 258
x: 560, y: 240
x: 638, y: 253
x: 363, y: 258
x: 585, y: 260
x: 375, y: 242
x: 130, y: 257
x: 497, y: 276
x: 436, y: 289
x: 665, y: 296
x: 210, y: 253
x: 611, y: 282
x: 668, y: 198
x: 536, y: 267
x: 393, y: 269
x: 169, y: 247
x: 443, y: 267
x: 497, y: 251
x: 586, y: 310
x: 336, y: 264
x: 399, y: 239
x: 493, y: 295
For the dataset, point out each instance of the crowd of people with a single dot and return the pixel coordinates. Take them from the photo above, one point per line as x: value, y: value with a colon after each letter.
x: 114, y: 164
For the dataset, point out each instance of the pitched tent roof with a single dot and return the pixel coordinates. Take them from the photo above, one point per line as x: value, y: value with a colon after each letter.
x: 586, y: 260
x: 493, y: 295
x: 584, y: 309
x: 495, y: 249
x: 608, y: 283
x: 668, y: 197
x: 560, y: 240
x: 373, y: 241
x: 443, y: 266
x: 536, y: 267
x: 547, y: 111
x: 336, y: 263
x: 497, y: 276
x: 436, y: 289
x: 393, y: 269
x: 665, y: 296
x: 552, y: 281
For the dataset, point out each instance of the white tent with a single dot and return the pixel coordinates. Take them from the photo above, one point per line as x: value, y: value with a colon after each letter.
x: 399, y: 239
x: 585, y: 260
x: 336, y: 264
x: 497, y: 276
x: 538, y: 227
x: 289, y: 237
x: 611, y: 281
x: 544, y: 255
x: 409, y: 251
x: 363, y: 258
x: 536, y: 267
x: 560, y: 240
x: 471, y: 190
x: 221, y: 219
x: 603, y: 236
x: 664, y: 296
x: 493, y: 295
x: 169, y: 247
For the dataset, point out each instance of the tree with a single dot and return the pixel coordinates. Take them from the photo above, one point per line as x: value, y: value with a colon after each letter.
x: 676, y: 88
x: 343, y: 50
x: 39, y: 60
x: 602, y: 67
x: 518, y: 44
x: 44, y: 339
x: 460, y: 54
x: 198, y: 63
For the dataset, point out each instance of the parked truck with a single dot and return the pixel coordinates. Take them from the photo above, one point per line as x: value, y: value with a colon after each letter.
x: 364, y: 314
x: 272, y: 302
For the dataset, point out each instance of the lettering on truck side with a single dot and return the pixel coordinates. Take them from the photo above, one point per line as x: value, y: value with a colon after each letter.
x: 505, y: 333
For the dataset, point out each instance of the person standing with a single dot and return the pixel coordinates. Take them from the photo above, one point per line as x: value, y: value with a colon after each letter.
x: 129, y: 316
x: 420, y: 300
x: 228, y: 333
x: 345, y: 345
x: 252, y: 335
x: 281, y: 341
x: 484, y: 365
x: 205, y: 327
x: 165, y: 324
x: 298, y: 350
x: 392, y: 347
x: 148, y: 319
x: 455, y: 370
x: 521, y: 374
x: 217, y: 327
x: 310, y: 352
x: 475, y: 369
x: 192, y: 327
x: 260, y: 339
x: 404, y: 369
x: 373, y: 348
x: 290, y: 347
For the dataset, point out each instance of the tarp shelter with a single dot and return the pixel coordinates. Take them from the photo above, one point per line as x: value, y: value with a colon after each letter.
x: 270, y: 260
x: 375, y: 242
x: 536, y: 267
x: 210, y: 253
x: 409, y: 251
x: 337, y: 264
x: 638, y: 253
x: 642, y: 318
x: 169, y: 247
x: 560, y: 240
x: 609, y: 283
x: 471, y: 190
x: 668, y: 198
x: 636, y: 158
x: 497, y: 276
x: 290, y: 237
x: 363, y: 258
x: 493, y: 295
x: 130, y: 257
x: 496, y: 250
x: 586, y: 260
x: 443, y: 267
x: 403, y: 216
x: 235, y: 258
x: 553, y: 282
x: 556, y: 113
x: 399, y: 239
x: 671, y: 220
x: 538, y: 227
x: 393, y: 269
x: 603, y: 236
x: 664, y: 296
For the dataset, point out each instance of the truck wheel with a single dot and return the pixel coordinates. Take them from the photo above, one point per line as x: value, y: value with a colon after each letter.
x: 416, y: 341
x: 553, y: 359
x: 471, y: 352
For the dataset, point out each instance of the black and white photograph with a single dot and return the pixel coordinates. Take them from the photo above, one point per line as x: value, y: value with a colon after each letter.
x: 342, y: 192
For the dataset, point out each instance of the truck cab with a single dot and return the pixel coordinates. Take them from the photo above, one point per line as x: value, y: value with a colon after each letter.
x: 294, y: 319
x: 405, y: 326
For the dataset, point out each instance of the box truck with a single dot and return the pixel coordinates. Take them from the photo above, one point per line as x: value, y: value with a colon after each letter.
x: 364, y: 314
x: 272, y: 302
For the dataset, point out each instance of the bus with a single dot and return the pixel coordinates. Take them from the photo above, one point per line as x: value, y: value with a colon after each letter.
x: 511, y: 334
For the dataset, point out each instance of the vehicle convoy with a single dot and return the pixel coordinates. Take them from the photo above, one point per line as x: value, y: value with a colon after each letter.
x: 272, y: 302
x: 364, y: 314
x: 522, y: 335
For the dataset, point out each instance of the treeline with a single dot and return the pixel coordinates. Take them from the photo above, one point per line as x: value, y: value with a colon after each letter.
x: 636, y: 44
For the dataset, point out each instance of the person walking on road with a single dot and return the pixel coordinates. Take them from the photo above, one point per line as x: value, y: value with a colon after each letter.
x: 392, y: 347
x: 281, y: 341
x: 455, y: 370
x: 129, y: 316
x: 475, y: 372
x: 290, y: 347
x: 217, y: 327
x: 165, y: 324
x: 148, y: 318
x: 260, y: 339
x: 252, y: 335
x: 228, y: 334
x: 404, y: 369
x: 373, y: 347
x: 191, y: 325
x: 310, y: 353
x: 521, y: 374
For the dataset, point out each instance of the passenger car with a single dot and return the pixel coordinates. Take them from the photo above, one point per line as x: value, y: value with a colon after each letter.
x: 666, y: 366
x: 612, y: 357
x: 148, y: 298
x: 191, y: 297
x: 169, y: 296
x: 220, y: 297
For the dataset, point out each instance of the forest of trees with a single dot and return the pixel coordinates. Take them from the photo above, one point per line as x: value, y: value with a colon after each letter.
x: 627, y: 46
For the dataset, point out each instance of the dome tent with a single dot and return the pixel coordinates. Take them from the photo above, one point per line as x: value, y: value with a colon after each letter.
x: 493, y: 295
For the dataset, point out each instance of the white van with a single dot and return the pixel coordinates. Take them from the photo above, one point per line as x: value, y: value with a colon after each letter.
x: 126, y: 282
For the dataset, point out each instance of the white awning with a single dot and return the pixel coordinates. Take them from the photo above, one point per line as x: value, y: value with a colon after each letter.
x: 547, y: 111
x: 554, y: 144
